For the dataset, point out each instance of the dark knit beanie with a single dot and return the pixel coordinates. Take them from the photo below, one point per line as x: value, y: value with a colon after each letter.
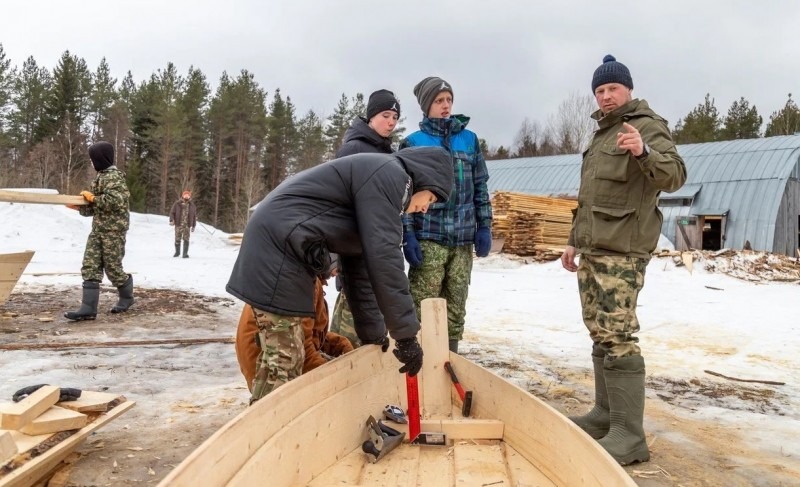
x: 102, y: 155
x: 380, y: 101
x: 427, y: 89
x: 611, y: 71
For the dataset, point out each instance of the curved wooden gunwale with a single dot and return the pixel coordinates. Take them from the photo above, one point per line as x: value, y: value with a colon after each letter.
x: 307, y: 429
x: 11, y: 268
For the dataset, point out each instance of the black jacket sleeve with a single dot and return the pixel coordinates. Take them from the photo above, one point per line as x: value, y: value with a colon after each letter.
x: 378, y: 205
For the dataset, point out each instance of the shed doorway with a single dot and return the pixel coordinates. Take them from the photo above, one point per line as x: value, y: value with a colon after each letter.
x: 712, y: 233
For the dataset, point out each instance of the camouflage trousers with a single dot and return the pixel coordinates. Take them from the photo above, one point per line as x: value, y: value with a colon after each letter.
x: 342, y: 320
x: 281, y: 340
x: 182, y: 233
x: 104, y: 252
x: 444, y: 273
x: 609, y: 287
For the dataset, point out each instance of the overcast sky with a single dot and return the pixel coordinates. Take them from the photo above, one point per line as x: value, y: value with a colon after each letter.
x: 506, y: 59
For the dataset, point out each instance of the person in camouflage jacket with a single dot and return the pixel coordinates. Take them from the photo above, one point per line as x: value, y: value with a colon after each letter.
x: 438, y: 244
x: 108, y: 206
x: 630, y: 160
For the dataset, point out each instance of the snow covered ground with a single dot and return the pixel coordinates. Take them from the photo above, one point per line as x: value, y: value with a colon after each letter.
x: 524, y: 313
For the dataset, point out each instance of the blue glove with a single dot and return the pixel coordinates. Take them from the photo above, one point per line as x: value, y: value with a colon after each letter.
x: 483, y: 241
x: 411, y: 249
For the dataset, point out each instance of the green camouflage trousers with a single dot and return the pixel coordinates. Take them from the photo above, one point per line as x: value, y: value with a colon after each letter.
x: 104, y: 252
x: 609, y: 287
x: 444, y: 273
x: 342, y: 321
x: 182, y: 233
x: 282, y: 352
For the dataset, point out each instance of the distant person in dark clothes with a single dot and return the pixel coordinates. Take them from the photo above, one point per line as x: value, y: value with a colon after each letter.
x: 372, y: 134
x: 108, y: 206
x: 183, y: 216
x: 350, y: 206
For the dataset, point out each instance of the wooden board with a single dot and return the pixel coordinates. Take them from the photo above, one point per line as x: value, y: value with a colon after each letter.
x: 41, y: 198
x: 54, y: 420
x: 17, y: 415
x: 459, y: 429
x: 93, y: 401
x: 11, y: 268
x: 480, y: 465
x: 34, y: 469
x: 434, y: 381
x: 7, y: 447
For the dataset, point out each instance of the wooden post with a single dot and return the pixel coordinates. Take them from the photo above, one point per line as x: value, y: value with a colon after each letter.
x: 41, y: 198
x: 435, y: 395
x: 11, y: 268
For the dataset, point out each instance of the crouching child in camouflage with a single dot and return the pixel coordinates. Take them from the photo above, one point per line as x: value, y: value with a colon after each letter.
x: 108, y: 206
x: 350, y: 206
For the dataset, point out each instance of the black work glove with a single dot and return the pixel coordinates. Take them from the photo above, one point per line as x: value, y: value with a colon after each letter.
x: 382, y: 341
x: 409, y: 352
x: 67, y: 393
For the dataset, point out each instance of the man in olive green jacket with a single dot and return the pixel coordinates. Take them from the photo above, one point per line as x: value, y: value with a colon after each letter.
x: 616, y: 226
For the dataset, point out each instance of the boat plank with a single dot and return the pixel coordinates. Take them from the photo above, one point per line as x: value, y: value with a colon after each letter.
x: 11, y: 268
x: 434, y: 381
x: 435, y: 466
x: 522, y: 472
x: 398, y: 468
x: 320, y: 435
x: 346, y: 471
x: 480, y: 465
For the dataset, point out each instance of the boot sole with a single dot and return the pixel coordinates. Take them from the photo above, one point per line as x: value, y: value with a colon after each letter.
x: 80, y: 318
x: 637, y: 457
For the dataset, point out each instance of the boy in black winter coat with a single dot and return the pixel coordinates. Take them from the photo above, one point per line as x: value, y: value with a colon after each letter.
x: 350, y: 206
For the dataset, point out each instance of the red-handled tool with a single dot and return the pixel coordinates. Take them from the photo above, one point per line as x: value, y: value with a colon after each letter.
x: 414, y: 434
x: 466, y: 397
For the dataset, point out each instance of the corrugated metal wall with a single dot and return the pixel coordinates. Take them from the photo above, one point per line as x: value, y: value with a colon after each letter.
x: 750, y: 178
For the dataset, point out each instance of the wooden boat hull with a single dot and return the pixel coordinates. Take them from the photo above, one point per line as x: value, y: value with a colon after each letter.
x: 11, y: 268
x: 310, y: 431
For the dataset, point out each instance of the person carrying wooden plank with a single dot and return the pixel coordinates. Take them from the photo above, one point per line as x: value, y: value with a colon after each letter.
x: 108, y: 206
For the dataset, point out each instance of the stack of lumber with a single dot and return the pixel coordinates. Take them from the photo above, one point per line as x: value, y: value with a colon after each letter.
x: 39, y: 432
x: 535, y: 226
x: 235, y: 238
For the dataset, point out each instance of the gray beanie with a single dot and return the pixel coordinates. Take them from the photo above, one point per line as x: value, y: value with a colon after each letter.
x: 611, y: 71
x: 427, y: 89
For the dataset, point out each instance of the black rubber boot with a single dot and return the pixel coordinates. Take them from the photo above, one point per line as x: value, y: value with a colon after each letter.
x: 177, y: 250
x: 596, y: 421
x: 625, y: 440
x: 453, y: 345
x: 88, y: 309
x: 185, y: 249
x: 125, y: 296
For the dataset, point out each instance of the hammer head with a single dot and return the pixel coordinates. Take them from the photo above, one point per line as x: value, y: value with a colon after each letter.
x: 466, y: 407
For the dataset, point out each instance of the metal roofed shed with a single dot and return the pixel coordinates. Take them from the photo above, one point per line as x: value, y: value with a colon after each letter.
x: 737, y: 191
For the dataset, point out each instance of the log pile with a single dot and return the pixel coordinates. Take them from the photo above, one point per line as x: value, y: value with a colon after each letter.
x: 748, y: 265
x: 535, y: 226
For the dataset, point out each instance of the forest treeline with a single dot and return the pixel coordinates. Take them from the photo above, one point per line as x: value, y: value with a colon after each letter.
x: 233, y: 145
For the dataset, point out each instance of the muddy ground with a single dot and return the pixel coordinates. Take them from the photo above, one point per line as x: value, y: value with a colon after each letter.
x: 185, y: 393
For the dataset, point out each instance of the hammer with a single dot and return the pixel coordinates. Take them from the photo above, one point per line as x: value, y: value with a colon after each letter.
x: 466, y: 397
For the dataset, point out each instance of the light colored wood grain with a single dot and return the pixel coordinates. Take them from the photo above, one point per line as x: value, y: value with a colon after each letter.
x: 480, y: 465
x: 41, y: 198
x: 434, y: 381
x: 92, y: 401
x: 460, y: 429
x: 54, y: 420
x: 17, y: 415
x: 35, y: 468
x: 8, y: 448
x: 11, y: 268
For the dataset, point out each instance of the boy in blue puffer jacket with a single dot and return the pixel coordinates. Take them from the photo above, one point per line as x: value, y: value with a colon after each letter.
x: 438, y: 244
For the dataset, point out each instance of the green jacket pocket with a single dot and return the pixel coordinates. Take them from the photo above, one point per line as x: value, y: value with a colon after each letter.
x: 612, y: 165
x: 613, y: 228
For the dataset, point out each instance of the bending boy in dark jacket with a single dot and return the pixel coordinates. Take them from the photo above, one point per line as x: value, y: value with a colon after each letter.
x: 350, y: 206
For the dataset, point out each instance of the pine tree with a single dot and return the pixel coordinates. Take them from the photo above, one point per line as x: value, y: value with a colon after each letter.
x: 193, y: 106
x: 7, y: 78
x: 168, y: 133
x: 280, y: 140
x: 741, y: 122
x: 702, y: 124
x: 785, y: 121
x: 337, y: 125
x: 66, y: 111
x: 102, y: 97
x: 310, y: 142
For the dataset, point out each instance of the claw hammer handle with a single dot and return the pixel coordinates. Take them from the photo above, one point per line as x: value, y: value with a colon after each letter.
x: 449, y: 369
